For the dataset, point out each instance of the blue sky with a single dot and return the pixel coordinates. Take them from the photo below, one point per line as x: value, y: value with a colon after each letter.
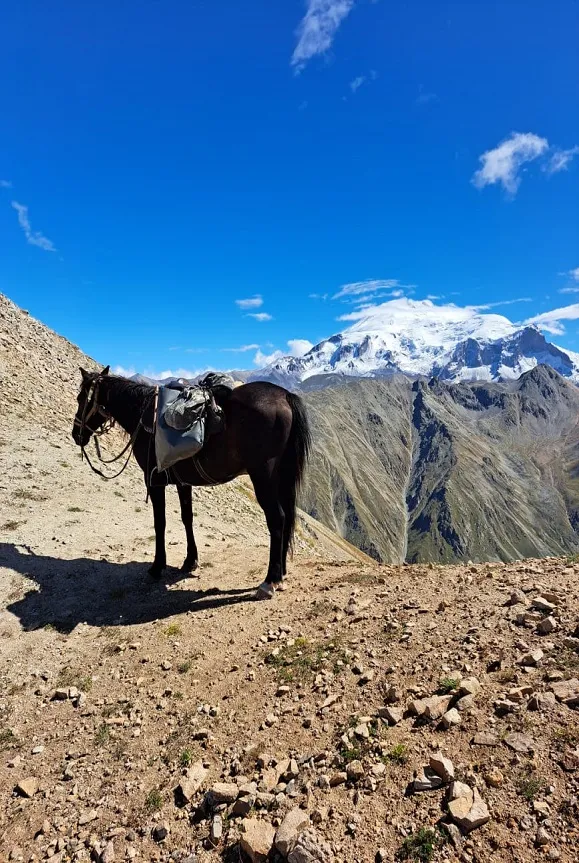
x: 160, y: 161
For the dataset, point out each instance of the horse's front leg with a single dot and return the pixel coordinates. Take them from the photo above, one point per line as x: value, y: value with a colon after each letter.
x: 186, y: 500
x: 158, y: 500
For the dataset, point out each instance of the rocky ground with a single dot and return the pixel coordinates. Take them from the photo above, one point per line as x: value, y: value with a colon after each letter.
x: 367, y: 712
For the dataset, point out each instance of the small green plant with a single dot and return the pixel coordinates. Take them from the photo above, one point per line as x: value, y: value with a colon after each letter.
x: 154, y: 800
x: 531, y: 786
x: 11, y: 525
x: 68, y: 677
x: 118, y: 493
x: 507, y: 675
x: 8, y: 739
x: 303, y: 658
x: 102, y: 735
x: 138, y: 509
x: 26, y: 494
x: 398, y: 754
x: 186, y: 758
x: 420, y: 846
x: 573, y: 558
x: 448, y: 685
x: 75, y: 509
x: 565, y: 737
x: 184, y: 667
x: 173, y: 629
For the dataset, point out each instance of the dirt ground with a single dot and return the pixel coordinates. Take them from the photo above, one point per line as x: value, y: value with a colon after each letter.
x: 193, y: 669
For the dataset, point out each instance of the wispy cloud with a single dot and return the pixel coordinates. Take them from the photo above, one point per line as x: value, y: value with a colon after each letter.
x: 434, y: 297
x: 424, y: 98
x: 551, y: 321
x: 250, y: 303
x: 318, y: 28
x: 503, y: 163
x: 260, y: 316
x: 318, y: 296
x: 5, y: 184
x: 486, y: 306
x: 560, y: 160
x: 574, y: 274
x: 569, y: 290
x: 357, y: 83
x: 34, y: 238
x: 241, y: 350
x: 362, y: 291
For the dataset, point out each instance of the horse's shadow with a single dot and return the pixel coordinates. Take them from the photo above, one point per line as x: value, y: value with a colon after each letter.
x: 102, y: 593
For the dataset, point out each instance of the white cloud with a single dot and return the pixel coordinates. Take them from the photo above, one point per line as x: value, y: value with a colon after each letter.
x: 560, y: 160
x: 357, y: 83
x: 317, y: 29
x: 243, y: 349
x: 551, y: 321
x: 318, y: 296
x: 261, y: 359
x: 503, y: 163
x: 251, y: 302
x: 569, y: 291
x: 158, y: 375
x: 299, y: 347
x: 365, y: 289
x: 261, y: 316
x: 5, y: 184
x: 434, y: 297
x: 574, y: 274
x: 34, y: 238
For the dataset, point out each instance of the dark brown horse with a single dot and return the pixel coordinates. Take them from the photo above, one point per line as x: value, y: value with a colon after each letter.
x: 265, y: 435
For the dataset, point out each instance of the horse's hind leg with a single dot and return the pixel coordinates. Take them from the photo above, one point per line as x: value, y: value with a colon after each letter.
x: 186, y: 500
x: 157, y: 494
x: 267, y: 494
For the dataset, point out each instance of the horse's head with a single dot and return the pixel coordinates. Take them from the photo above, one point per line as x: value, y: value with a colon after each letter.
x: 90, y: 414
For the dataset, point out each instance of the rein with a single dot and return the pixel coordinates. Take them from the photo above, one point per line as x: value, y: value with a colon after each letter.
x: 104, y: 429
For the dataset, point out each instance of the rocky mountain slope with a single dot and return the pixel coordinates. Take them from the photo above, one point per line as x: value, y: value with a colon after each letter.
x: 423, y: 471
x: 421, y: 338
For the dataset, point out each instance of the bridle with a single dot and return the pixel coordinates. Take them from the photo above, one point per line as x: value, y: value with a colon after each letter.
x: 108, y: 424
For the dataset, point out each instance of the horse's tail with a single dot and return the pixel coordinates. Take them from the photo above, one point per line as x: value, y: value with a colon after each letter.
x: 293, y: 462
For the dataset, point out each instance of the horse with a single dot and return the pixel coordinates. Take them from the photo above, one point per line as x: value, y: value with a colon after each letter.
x: 265, y: 434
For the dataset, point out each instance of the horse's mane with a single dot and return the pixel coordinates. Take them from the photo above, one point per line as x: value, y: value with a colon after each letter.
x: 135, y: 393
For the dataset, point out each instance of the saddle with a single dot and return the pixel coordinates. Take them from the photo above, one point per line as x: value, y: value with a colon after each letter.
x: 187, y: 416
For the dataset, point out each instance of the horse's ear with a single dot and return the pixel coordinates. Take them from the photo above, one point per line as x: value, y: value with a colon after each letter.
x: 106, y: 370
x: 84, y: 373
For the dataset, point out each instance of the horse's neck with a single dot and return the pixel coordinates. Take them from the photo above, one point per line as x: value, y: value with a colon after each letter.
x: 125, y: 410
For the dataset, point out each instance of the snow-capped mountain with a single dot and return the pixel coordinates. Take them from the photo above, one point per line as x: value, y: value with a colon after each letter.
x: 420, y: 338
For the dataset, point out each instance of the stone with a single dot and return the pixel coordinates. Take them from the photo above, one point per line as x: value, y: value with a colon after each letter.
x: 494, y: 778
x: 466, y: 807
x: 564, y: 689
x: 547, y: 625
x: 243, y: 806
x: 393, y: 715
x: 541, y: 701
x: 464, y: 704
x: 520, y: 743
x: 542, y: 604
x: 542, y: 837
x: 330, y: 700
x: 516, y: 597
x: 224, y: 792
x: 192, y: 781
x: 87, y: 817
x: 166, y: 665
x: 338, y: 779
x: 108, y: 853
x: 532, y: 658
x: 362, y: 731
x: 469, y: 686
x: 451, y: 718
x: 256, y: 839
x: 292, y: 825
x: 310, y: 848
x: 216, y: 830
x: 485, y: 738
x: 427, y: 780
x: 160, y: 832
x: 368, y: 677
x: 27, y: 787
x: 436, y: 706
x: 60, y: 695
x: 442, y: 766
x: 355, y: 771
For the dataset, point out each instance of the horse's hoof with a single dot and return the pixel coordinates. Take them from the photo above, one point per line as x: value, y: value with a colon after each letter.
x: 190, y: 566
x: 156, y: 571
x: 265, y: 591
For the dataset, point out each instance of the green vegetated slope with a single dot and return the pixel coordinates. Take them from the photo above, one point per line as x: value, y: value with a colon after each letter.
x: 427, y: 471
